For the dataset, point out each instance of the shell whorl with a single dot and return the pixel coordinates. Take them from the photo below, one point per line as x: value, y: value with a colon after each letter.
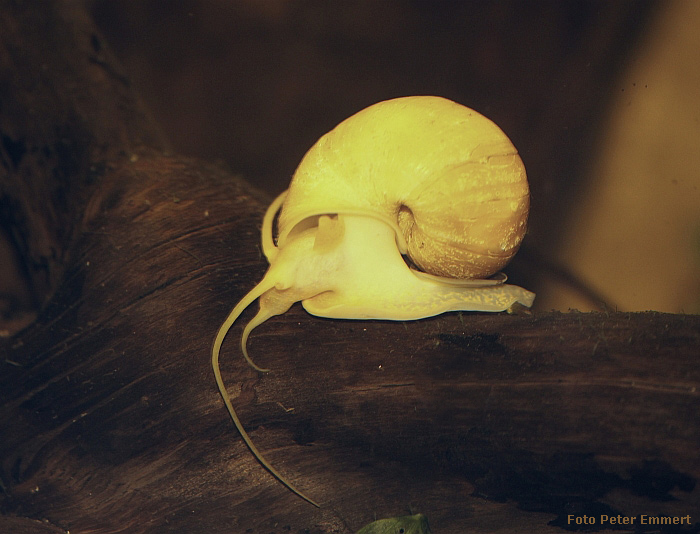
x: 445, y: 177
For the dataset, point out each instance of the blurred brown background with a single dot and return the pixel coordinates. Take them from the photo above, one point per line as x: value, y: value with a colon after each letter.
x: 601, y: 99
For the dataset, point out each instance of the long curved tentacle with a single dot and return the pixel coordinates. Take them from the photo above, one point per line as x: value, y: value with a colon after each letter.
x: 261, y: 288
x: 262, y: 316
x: 246, y: 301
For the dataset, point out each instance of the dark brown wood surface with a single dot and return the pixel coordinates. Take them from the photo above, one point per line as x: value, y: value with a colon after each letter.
x: 110, y: 420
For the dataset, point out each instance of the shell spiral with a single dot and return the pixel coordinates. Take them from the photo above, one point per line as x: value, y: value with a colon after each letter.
x: 445, y: 177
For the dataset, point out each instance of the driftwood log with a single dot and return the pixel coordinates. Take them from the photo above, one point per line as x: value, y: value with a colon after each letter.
x: 110, y: 420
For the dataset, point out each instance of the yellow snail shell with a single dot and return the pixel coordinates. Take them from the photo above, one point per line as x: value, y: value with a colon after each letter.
x: 418, y: 176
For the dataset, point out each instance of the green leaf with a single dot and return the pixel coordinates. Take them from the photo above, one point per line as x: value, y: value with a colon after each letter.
x: 408, y: 524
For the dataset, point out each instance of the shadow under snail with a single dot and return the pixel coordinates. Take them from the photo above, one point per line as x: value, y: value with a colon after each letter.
x: 419, y: 177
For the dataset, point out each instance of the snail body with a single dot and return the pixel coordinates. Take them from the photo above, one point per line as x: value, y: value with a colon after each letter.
x: 421, y: 177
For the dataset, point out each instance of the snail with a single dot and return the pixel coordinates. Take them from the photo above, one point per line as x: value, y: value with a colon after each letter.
x: 421, y: 178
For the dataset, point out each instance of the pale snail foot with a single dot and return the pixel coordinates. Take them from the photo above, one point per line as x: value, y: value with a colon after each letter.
x: 372, y: 281
x: 519, y: 309
x: 349, y: 267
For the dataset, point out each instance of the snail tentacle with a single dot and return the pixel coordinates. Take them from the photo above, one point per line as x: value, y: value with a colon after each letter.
x: 246, y: 438
x: 260, y: 289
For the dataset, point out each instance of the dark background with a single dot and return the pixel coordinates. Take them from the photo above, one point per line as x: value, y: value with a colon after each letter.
x: 255, y: 84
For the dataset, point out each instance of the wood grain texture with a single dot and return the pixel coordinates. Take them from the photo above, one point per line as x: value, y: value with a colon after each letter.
x: 112, y: 416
